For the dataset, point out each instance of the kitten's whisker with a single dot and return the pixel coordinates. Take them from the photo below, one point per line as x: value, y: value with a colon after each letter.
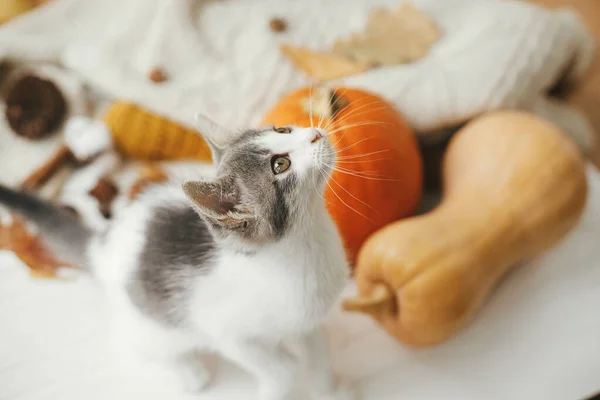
x: 332, y: 105
x: 363, y: 161
x: 314, y: 181
x: 356, y: 118
x: 321, y: 120
x: 363, y: 175
x: 338, y: 96
x: 358, y: 111
x: 353, y: 196
x: 362, y: 155
x: 323, y: 114
x: 370, y: 178
x: 310, y: 106
x: 357, y: 124
x: 353, y: 144
x: 330, y: 124
x: 354, y: 124
x: 343, y: 202
x: 374, y: 174
x: 354, y: 111
x: 359, y: 105
x: 339, y: 139
x: 344, y: 149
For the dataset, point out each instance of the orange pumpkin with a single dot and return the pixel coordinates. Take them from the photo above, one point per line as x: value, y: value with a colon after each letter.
x: 378, y: 176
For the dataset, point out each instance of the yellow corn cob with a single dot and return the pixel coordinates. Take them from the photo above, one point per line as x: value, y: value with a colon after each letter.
x: 10, y: 9
x: 142, y: 135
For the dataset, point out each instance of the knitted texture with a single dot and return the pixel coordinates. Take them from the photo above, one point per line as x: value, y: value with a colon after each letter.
x: 222, y: 58
x: 140, y: 134
x: 494, y: 55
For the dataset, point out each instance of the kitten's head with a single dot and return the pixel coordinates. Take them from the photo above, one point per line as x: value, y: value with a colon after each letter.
x: 268, y: 180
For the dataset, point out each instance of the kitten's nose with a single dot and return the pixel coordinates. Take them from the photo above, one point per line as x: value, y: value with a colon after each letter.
x: 317, y: 137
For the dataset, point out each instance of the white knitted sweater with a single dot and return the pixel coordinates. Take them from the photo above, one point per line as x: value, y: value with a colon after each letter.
x: 223, y: 59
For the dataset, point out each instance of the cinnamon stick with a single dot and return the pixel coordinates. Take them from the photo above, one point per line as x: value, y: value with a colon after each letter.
x: 43, y: 173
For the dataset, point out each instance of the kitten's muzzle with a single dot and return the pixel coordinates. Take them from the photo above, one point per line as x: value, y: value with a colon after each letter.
x: 317, y: 137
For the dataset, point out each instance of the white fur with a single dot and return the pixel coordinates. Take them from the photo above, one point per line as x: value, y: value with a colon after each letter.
x: 250, y: 309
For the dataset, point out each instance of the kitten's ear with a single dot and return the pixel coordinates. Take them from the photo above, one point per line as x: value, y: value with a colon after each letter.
x: 216, y: 135
x: 220, y: 201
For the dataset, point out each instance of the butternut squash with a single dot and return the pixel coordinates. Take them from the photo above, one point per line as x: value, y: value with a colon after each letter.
x: 514, y: 186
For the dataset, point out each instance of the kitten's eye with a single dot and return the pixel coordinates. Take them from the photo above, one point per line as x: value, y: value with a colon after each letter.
x: 280, y: 164
x: 283, y: 130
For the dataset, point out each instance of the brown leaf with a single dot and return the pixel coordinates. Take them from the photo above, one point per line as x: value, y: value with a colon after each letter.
x: 5, y: 237
x: 391, y: 37
x: 322, y: 66
x: 29, y: 248
x: 105, y: 192
x: 149, y: 174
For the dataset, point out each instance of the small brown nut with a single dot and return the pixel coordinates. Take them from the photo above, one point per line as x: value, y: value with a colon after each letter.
x: 158, y: 75
x: 105, y: 192
x: 278, y: 25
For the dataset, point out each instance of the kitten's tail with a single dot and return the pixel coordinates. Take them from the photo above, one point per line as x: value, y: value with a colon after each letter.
x: 63, y: 233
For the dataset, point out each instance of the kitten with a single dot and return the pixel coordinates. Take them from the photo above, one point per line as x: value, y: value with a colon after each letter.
x: 242, y: 264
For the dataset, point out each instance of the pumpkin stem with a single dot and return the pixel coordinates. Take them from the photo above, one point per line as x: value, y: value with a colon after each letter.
x: 380, y: 298
x: 324, y: 103
x: 336, y: 104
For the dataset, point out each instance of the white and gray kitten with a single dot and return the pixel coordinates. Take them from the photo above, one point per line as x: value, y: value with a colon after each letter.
x: 244, y: 264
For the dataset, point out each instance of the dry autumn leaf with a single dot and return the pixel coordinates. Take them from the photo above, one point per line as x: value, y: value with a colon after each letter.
x: 149, y: 174
x: 391, y: 37
x: 105, y: 192
x: 322, y: 66
x: 29, y: 248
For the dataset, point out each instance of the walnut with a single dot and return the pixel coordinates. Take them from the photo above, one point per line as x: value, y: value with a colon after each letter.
x: 35, y: 107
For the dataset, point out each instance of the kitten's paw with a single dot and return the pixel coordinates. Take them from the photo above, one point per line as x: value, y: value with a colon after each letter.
x: 194, y: 383
x: 194, y: 375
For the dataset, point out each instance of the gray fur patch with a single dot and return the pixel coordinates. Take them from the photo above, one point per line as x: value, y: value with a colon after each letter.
x: 248, y: 135
x: 178, y: 249
x: 250, y: 164
x: 289, y: 183
x: 279, y: 210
